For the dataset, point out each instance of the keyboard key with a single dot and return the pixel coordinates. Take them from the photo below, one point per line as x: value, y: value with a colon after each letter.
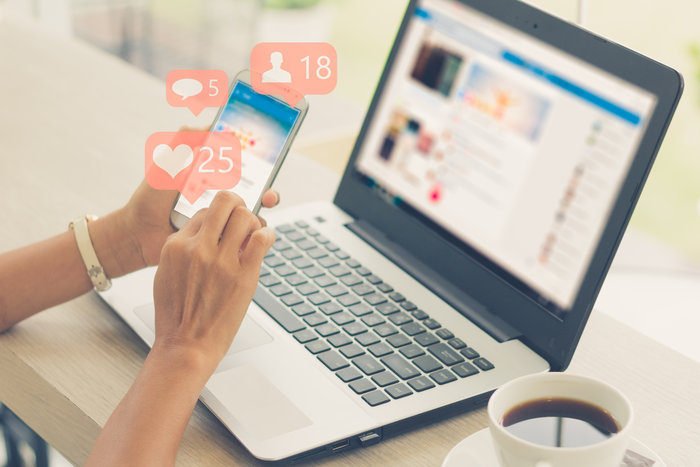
x: 342, y: 318
x: 398, y: 340
x: 307, y: 289
x: 274, y: 261
x: 385, y: 330
x: 363, y: 289
x: 420, y: 314
x: 408, y: 306
x: 285, y: 270
x: 375, y: 398
x: 360, y: 309
x: 315, y: 319
x: 292, y: 299
x: 330, y: 308
x: 325, y: 281
x: 400, y: 366
x: 379, y: 349
x: 427, y: 339
x: 386, y: 288
x: 373, y: 279
x: 363, y: 271
x: 302, y: 224
x: 353, y: 263
x: 321, y: 239
x: 333, y: 360
x: 387, y: 308
x: 399, y: 318
x: 373, y: 319
x: 457, y: 343
x: 303, y: 309
x: 374, y: 299
x: 319, y: 298
x: 291, y: 254
x: 306, y: 244
x: 332, y: 246
x: 442, y: 376
x: 362, y: 386
x: 311, y: 231
x: 350, y: 280
x: 367, y: 339
x: 421, y: 384
x: 339, y: 340
x: 339, y: 270
x: 353, y: 329
x: 368, y: 365
x: 483, y: 364
x: 352, y: 350
x: 269, y: 281
x: 348, y: 374
x: 397, y: 297
x: 316, y: 347
x: 412, y: 329
x: 398, y: 391
x: 444, y: 333
x: 305, y: 336
x: 465, y: 369
x: 412, y: 351
x: 281, y: 245
x: 349, y: 300
x: 336, y: 290
x: 445, y: 354
x: 295, y: 236
x: 327, y: 329
x: 280, y: 289
x: 328, y: 262
x: 313, y: 271
x: 264, y: 271
x: 340, y: 254
x: 430, y: 323
x: 296, y: 279
x: 301, y: 263
x: 427, y: 363
x: 279, y: 313
x: 385, y: 378
x: 316, y: 253
x: 285, y: 228
x: 470, y: 353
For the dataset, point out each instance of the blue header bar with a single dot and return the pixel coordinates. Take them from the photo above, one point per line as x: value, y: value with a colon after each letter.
x: 574, y: 89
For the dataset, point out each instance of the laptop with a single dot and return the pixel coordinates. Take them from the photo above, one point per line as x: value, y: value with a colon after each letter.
x: 489, y: 187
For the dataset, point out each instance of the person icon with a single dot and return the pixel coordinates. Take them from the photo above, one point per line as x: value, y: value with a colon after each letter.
x: 276, y: 74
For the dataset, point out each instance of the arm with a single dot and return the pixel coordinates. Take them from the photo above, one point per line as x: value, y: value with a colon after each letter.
x: 207, y: 276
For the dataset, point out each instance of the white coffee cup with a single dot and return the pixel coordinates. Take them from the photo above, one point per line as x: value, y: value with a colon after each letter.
x: 516, y: 452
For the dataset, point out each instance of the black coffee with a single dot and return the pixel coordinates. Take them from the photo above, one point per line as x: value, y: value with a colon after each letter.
x: 560, y: 422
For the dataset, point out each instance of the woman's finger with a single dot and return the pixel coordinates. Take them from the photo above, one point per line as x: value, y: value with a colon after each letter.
x: 270, y: 199
x: 218, y: 214
x: 259, y: 242
x: 241, y: 224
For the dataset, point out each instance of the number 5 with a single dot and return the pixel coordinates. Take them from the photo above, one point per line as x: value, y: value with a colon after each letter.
x: 212, y: 85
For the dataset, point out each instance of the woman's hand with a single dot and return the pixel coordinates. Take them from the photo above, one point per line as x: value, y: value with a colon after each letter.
x: 206, y: 279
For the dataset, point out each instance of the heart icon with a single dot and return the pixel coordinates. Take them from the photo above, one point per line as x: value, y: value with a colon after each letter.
x: 173, y: 161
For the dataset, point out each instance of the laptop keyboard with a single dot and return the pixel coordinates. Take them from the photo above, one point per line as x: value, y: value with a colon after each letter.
x: 371, y: 336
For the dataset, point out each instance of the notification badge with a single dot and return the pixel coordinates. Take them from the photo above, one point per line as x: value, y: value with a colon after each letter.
x: 193, y: 162
x: 293, y: 69
x: 196, y: 89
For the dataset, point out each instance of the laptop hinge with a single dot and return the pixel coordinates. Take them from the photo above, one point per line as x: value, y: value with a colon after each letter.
x: 458, y: 299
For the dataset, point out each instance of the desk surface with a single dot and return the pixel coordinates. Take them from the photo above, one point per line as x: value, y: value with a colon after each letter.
x: 73, y: 124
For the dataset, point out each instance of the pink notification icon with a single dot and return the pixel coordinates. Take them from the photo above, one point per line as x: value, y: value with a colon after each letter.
x: 293, y: 69
x: 196, y: 89
x: 193, y: 162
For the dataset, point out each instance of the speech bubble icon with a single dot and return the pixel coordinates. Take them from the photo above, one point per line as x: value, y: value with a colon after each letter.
x: 187, y: 87
x: 292, y: 70
x: 193, y: 162
x: 196, y: 89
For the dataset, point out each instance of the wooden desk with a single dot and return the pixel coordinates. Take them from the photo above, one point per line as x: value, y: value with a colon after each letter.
x: 73, y: 123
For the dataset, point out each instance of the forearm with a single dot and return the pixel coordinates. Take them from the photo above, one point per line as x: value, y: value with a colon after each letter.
x: 146, y: 427
x: 50, y: 272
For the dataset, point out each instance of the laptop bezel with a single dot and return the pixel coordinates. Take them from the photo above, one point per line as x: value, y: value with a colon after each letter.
x: 553, y: 338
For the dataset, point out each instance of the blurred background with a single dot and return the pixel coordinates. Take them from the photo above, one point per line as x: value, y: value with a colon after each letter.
x: 157, y: 36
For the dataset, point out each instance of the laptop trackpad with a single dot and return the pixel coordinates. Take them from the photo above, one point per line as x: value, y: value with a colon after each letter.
x: 256, y: 403
x: 249, y: 335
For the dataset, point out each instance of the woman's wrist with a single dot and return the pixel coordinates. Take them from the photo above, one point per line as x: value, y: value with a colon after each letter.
x: 196, y: 362
x: 115, y: 245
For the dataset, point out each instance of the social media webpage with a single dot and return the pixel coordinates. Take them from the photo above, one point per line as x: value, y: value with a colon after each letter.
x: 512, y: 146
x: 263, y: 125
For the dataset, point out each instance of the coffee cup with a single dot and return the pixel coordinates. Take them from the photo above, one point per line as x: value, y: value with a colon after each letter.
x: 559, y: 420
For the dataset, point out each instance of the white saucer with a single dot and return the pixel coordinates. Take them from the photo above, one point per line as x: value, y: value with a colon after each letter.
x: 477, y: 451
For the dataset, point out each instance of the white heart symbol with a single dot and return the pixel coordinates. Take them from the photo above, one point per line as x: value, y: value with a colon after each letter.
x: 173, y: 161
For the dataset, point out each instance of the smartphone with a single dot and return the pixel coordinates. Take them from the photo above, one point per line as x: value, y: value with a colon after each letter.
x: 266, y: 126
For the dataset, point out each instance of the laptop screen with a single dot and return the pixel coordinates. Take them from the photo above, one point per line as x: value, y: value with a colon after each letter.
x: 511, y: 148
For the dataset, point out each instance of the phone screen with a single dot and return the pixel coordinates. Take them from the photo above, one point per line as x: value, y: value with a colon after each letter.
x: 263, y: 125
